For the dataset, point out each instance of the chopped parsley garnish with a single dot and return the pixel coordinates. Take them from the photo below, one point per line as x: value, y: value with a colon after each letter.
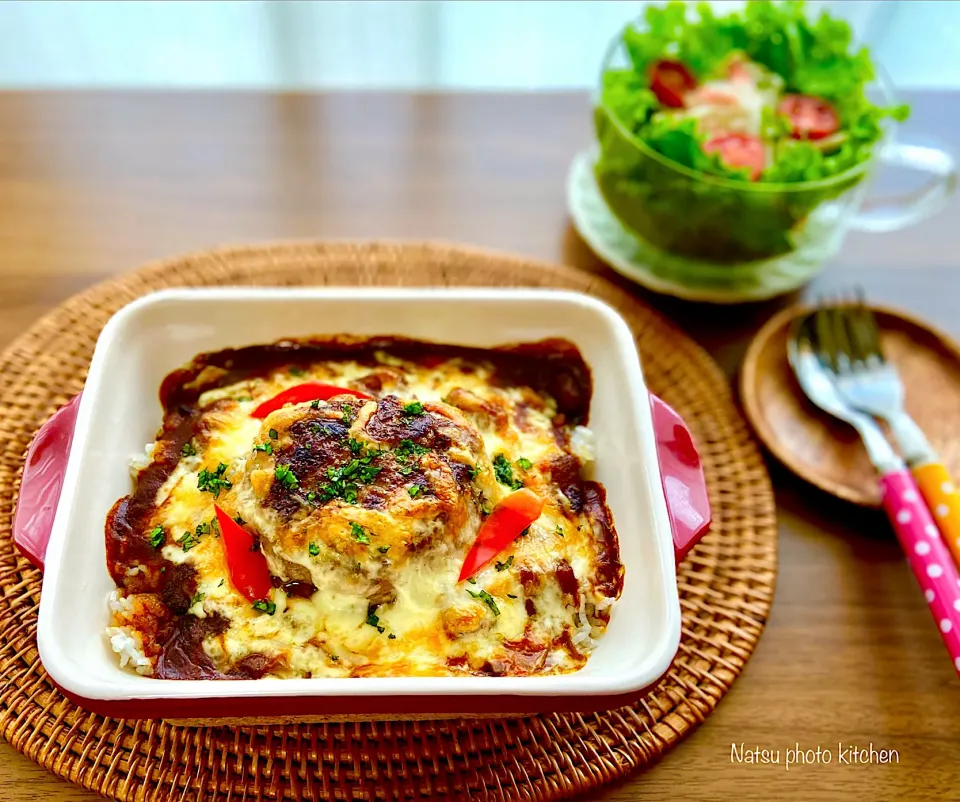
x: 187, y: 541
x: 286, y: 477
x: 315, y: 404
x: 295, y: 371
x: 504, y: 473
x: 255, y: 543
x: 344, y: 471
x: 524, y: 463
x: 383, y: 549
x: 472, y: 472
x: 359, y: 534
x: 347, y: 416
x: 368, y: 473
x: 472, y: 580
x: 197, y: 597
x: 266, y: 448
x: 265, y: 606
x: 406, y: 451
x: 156, y: 537
x: 273, y: 434
x: 220, y: 583
x: 559, y: 530
x: 391, y: 636
x: 408, y: 448
x: 189, y: 449
x: 244, y: 398
x: 311, y: 496
x: 414, y: 408
x: 487, y: 599
x: 373, y: 619
x: 503, y: 566
x: 239, y: 520
x: 203, y: 528
x: 414, y: 490
x: 313, y: 549
x: 525, y: 532
x: 213, y: 481
x: 360, y: 468
x: 485, y: 506
x: 511, y: 596
x: 335, y: 658
x: 343, y: 481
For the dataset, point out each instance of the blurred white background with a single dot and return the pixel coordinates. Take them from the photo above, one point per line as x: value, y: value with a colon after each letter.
x: 289, y: 44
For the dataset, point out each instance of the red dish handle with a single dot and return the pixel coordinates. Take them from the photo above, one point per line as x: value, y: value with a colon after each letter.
x: 681, y: 474
x: 42, y: 482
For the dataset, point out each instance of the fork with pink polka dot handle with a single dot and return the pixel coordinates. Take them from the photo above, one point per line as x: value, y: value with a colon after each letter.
x: 852, y: 352
x: 926, y: 553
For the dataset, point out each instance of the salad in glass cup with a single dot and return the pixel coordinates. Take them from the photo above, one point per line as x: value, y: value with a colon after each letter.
x: 733, y: 148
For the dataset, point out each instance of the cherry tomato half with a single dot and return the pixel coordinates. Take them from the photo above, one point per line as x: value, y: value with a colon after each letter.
x: 739, y: 150
x: 670, y: 81
x: 810, y: 117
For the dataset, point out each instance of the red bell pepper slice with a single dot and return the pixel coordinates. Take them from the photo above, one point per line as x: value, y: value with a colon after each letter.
x: 248, y: 568
x: 509, y: 518
x: 301, y: 393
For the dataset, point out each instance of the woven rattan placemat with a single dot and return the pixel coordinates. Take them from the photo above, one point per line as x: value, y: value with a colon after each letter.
x: 726, y: 583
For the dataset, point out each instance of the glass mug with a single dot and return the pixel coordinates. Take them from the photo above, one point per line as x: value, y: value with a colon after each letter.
x: 711, y: 238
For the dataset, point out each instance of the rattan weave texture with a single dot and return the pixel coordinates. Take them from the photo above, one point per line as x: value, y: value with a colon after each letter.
x: 726, y: 583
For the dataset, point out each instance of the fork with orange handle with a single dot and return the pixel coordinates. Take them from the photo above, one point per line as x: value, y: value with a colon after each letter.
x: 869, y: 383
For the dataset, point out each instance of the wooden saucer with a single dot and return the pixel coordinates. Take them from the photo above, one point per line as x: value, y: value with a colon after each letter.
x: 825, y: 451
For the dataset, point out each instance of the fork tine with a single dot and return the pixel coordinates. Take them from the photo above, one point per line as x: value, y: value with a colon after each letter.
x: 863, y: 326
x: 843, y: 348
x: 858, y: 336
x: 801, y: 332
x: 822, y: 338
x: 871, y: 331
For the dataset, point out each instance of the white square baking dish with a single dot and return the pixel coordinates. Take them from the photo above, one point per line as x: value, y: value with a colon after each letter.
x: 119, y: 411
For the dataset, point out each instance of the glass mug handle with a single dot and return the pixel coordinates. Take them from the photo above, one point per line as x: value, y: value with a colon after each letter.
x: 890, y: 214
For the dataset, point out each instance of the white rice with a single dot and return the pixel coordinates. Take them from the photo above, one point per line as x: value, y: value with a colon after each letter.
x: 125, y: 640
x: 583, y: 444
x: 126, y: 643
x: 604, y: 603
x: 140, y: 461
x: 583, y: 637
x: 119, y: 604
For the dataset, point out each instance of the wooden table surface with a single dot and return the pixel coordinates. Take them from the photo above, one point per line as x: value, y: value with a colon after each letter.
x: 94, y: 184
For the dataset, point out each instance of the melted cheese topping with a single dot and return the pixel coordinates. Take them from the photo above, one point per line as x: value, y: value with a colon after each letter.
x: 391, y: 606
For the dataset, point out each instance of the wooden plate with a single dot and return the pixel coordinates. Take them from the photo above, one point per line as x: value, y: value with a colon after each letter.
x: 825, y: 451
